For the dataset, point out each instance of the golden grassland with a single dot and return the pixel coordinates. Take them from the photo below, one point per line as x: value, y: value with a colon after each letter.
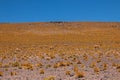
x: 59, y: 37
x: 82, y: 34
x: 74, y: 42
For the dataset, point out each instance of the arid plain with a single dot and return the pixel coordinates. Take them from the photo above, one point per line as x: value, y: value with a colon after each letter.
x: 60, y: 51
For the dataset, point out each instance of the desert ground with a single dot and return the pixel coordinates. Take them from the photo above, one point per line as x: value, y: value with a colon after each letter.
x: 60, y: 51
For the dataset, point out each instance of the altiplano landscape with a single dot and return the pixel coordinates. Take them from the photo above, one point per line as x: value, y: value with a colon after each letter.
x: 60, y: 51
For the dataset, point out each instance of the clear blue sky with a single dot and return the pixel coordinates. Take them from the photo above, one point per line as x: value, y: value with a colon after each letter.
x: 59, y: 10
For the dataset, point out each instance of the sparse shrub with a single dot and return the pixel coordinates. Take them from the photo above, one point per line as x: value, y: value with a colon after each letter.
x: 96, y: 70
x: 65, y: 58
x: 27, y: 66
x: 48, y: 58
x: 65, y: 64
x: 13, y: 73
x: 1, y: 73
x: 79, y: 74
x: 42, y: 71
x: 52, y: 56
x: 98, y: 60
x: 4, y: 57
x: 119, y: 70
x: 1, y: 64
x: 61, y: 64
x: 92, y: 65
x: 15, y: 64
x: 67, y: 72
x: 55, y: 66
x: 79, y: 62
x: 76, y: 68
x: 48, y: 66
x: 96, y: 46
x: 50, y: 78
x: 6, y: 69
x: 39, y: 65
x: 118, y: 67
x: 74, y: 59
x: 104, y: 66
x: 6, y: 66
x: 114, y: 64
x: 82, y: 65
x: 85, y: 57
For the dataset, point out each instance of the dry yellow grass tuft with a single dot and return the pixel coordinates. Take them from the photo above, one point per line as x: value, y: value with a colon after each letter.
x: 1, y: 65
x: 118, y: 66
x: 79, y: 74
x: 50, y: 78
x: 55, y: 66
x: 1, y: 73
x: 42, y: 71
x: 98, y: 60
x: 48, y: 66
x: 76, y: 69
x: 15, y: 64
x: 96, y: 70
x: 79, y: 62
x: 105, y: 66
x: 85, y: 57
x: 39, y: 65
x: 6, y: 65
x: 67, y: 72
x: 28, y: 66
x: 13, y: 73
x: 93, y: 64
x: 61, y: 64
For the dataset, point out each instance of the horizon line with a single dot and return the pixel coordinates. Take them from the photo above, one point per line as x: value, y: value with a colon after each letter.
x: 59, y: 21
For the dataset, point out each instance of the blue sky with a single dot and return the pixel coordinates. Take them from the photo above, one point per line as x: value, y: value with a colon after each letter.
x: 59, y: 10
